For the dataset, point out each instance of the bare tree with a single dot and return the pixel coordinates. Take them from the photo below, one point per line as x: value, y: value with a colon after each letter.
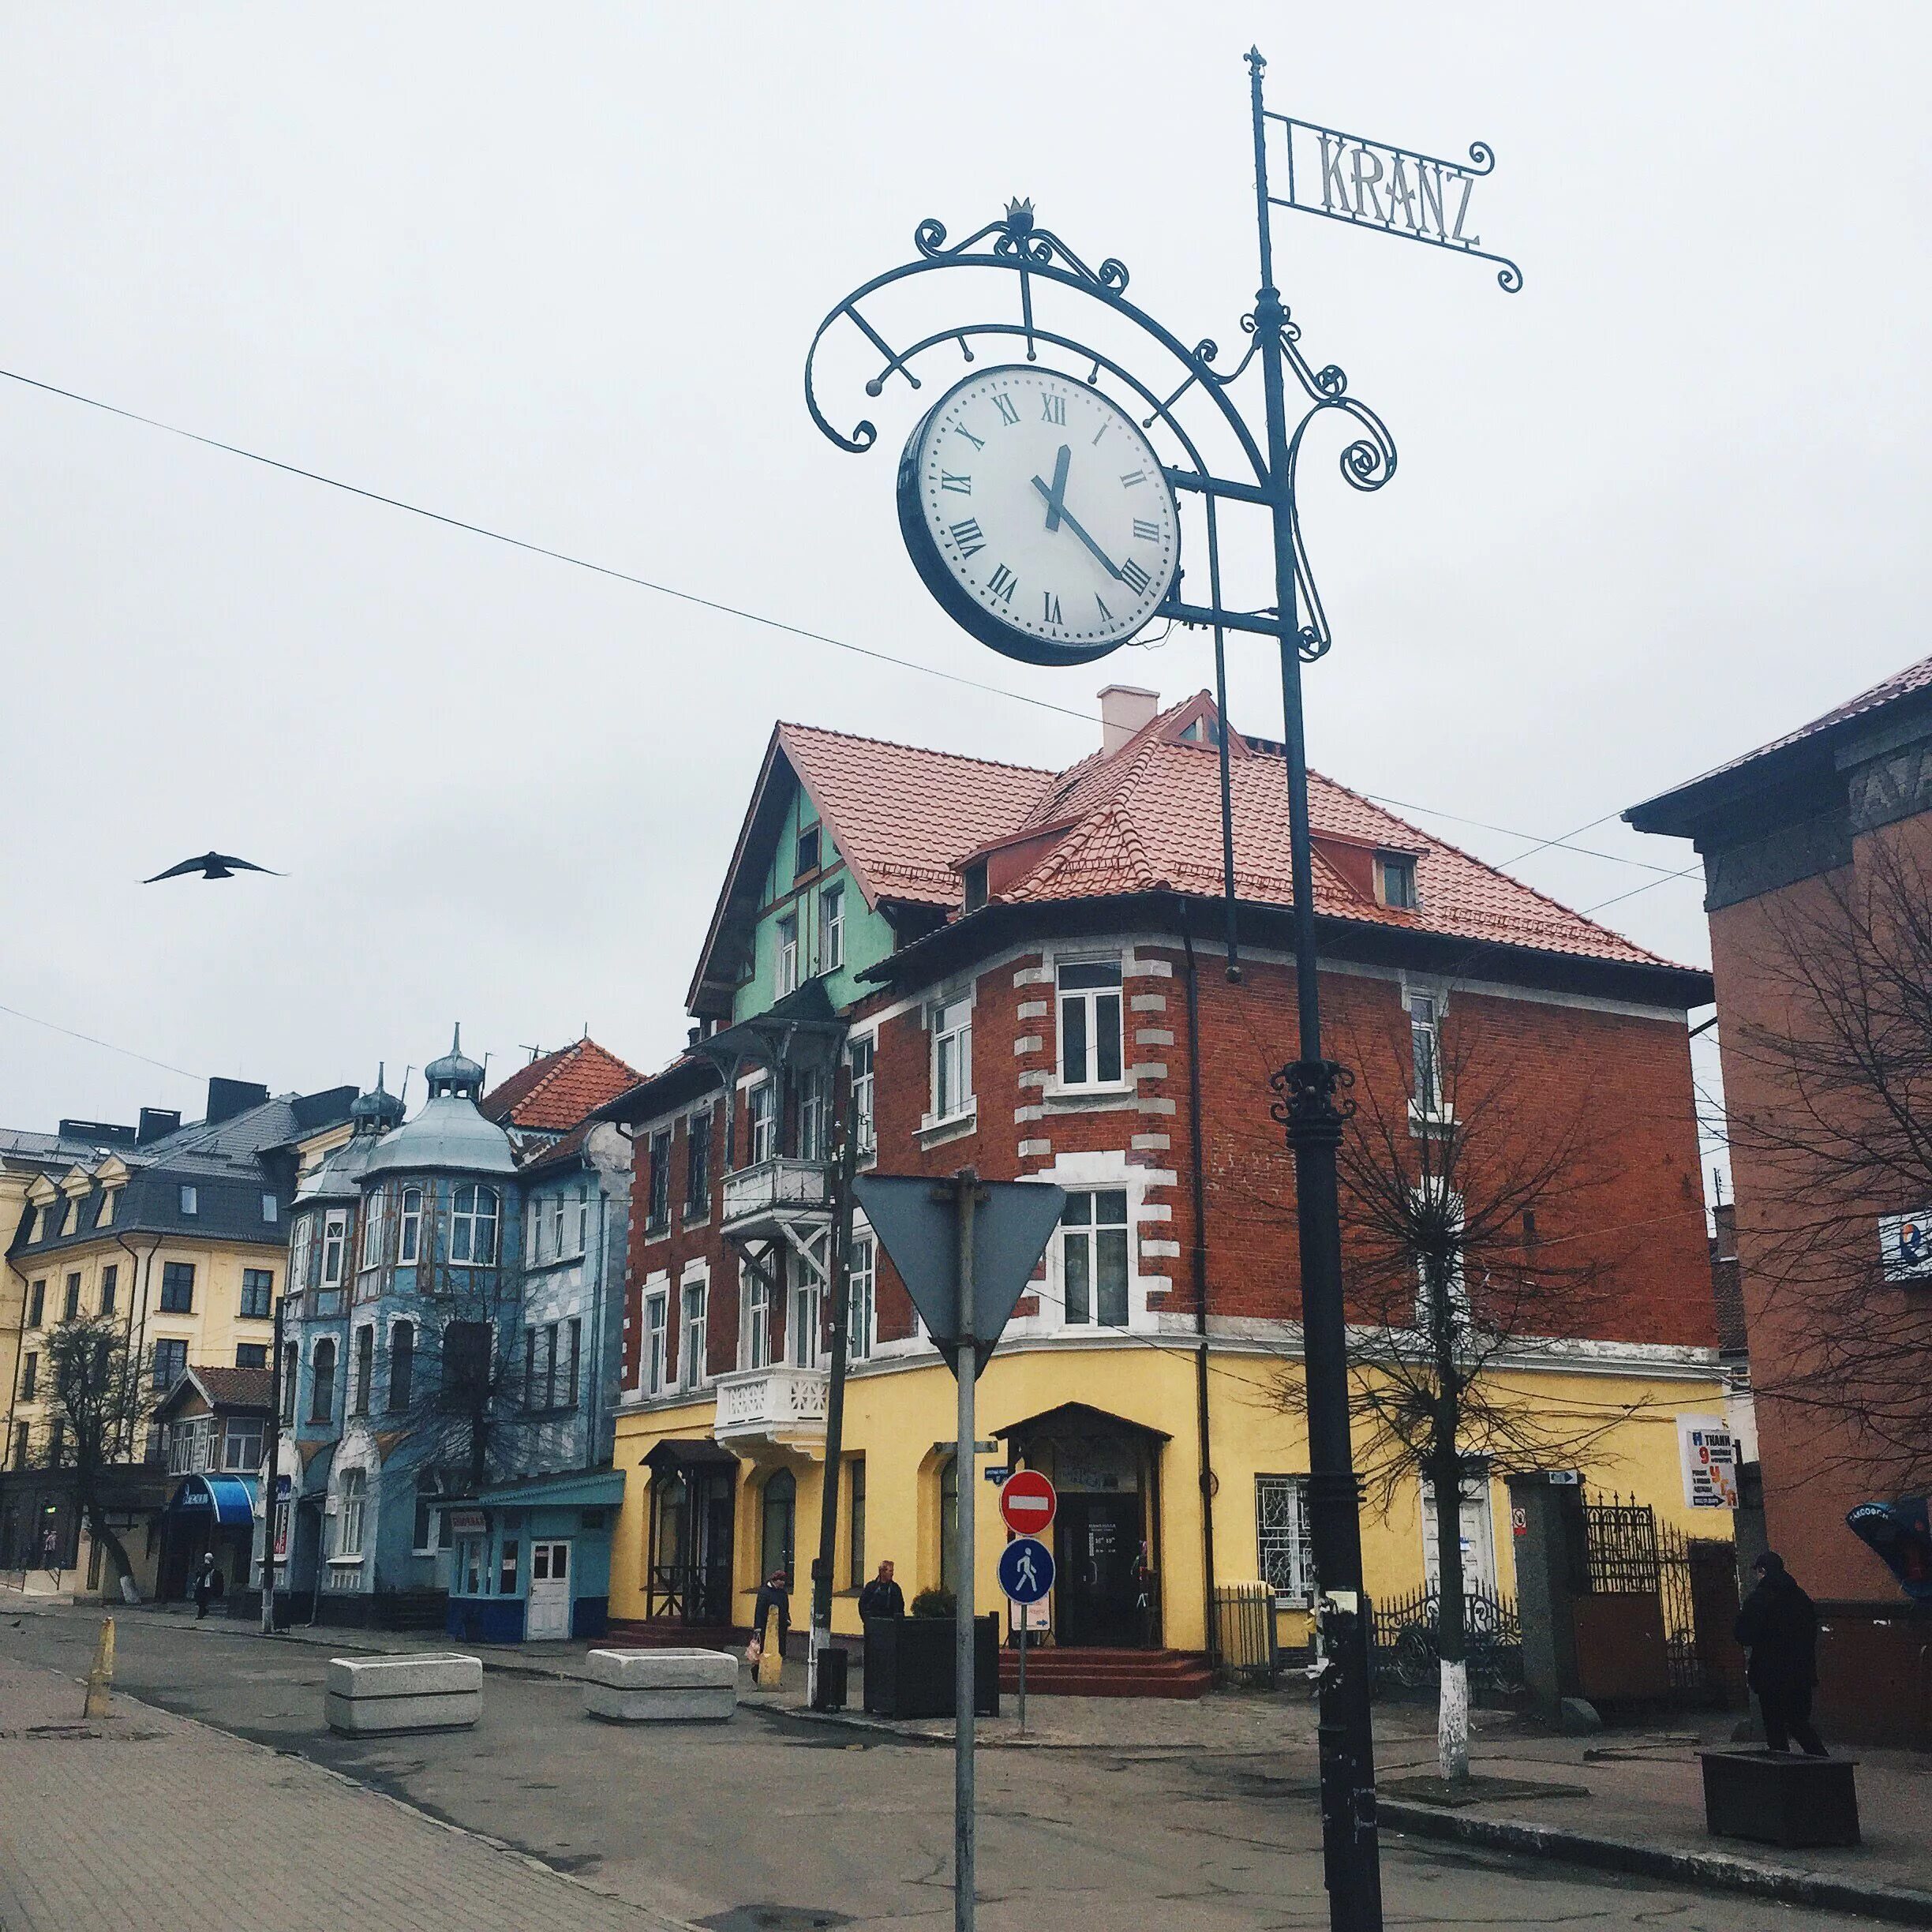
x: 1829, y: 1098
x: 1470, y: 1257
x: 94, y: 1386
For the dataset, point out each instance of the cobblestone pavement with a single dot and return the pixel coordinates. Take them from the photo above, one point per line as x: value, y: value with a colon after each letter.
x: 769, y: 1823
x: 141, y: 1819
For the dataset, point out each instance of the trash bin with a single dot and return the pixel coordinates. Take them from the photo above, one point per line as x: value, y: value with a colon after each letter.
x: 829, y: 1693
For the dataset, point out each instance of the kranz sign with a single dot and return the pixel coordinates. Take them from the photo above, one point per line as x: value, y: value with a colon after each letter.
x: 1370, y: 184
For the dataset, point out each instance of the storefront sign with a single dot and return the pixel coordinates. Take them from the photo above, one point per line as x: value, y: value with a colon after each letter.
x: 1905, y: 1245
x: 469, y: 1522
x: 1708, y: 1451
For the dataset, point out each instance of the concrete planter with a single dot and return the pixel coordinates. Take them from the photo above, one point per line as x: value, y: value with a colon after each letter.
x: 662, y: 1686
x: 1775, y: 1798
x: 365, y: 1696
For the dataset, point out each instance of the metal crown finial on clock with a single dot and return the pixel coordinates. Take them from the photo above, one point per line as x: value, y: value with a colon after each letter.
x: 1020, y: 216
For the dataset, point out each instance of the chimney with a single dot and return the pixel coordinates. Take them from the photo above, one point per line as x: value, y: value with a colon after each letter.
x: 227, y: 1097
x: 154, y: 1123
x: 1124, y: 710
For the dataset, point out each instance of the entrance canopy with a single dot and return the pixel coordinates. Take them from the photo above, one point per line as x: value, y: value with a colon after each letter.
x: 231, y: 1499
x: 595, y: 1489
x: 1076, y: 1418
x: 673, y: 1456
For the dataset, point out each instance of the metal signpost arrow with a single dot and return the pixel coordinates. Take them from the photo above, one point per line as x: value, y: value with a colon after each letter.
x: 965, y: 1250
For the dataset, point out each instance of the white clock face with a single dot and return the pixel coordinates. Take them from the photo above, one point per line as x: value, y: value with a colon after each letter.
x: 1044, y: 506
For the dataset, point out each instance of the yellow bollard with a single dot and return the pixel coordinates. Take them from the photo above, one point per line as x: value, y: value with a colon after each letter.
x: 100, y: 1678
x: 771, y: 1659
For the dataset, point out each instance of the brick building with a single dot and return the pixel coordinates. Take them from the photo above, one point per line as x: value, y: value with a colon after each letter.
x: 1804, y: 841
x: 1026, y: 970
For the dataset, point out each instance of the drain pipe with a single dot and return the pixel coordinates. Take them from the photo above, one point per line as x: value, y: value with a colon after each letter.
x: 1198, y: 1255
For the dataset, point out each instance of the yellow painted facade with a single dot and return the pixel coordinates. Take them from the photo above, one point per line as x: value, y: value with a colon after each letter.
x: 899, y: 1418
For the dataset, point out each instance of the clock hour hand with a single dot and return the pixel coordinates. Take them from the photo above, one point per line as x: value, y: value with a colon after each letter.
x: 1056, y: 497
x: 1067, y: 517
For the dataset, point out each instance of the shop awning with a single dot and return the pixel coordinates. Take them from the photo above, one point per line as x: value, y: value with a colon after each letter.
x: 692, y: 1452
x: 231, y: 1498
x: 595, y: 1489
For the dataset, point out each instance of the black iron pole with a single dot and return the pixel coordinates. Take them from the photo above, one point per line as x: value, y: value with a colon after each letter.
x: 1313, y: 1118
x: 839, y: 1285
x: 271, y: 1478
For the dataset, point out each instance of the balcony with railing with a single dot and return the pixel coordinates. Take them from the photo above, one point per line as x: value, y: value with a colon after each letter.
x: 760, y: 1198
x: 778, y: 1407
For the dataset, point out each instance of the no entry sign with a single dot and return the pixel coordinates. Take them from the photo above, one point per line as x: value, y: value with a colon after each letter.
x: 1027, y: 1502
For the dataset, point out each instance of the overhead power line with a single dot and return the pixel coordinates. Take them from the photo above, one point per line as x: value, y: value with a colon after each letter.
x: 731, y: 610
x: 54, y: 1027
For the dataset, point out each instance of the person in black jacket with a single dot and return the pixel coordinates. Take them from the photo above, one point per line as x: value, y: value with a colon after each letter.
x: 1778, y: 1625
x: 774, y: 1595
x: 881, y: 1597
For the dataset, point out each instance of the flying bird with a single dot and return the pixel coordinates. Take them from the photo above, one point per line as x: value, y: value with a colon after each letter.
x: 213, y: 865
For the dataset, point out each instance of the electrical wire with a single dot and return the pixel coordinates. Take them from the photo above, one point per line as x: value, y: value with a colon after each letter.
x: 54, y: 1027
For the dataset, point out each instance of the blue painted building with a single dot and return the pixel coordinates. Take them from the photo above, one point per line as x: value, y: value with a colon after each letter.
x: 450, y: 1358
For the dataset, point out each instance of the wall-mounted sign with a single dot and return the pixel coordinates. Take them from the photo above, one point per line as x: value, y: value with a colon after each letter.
x: 1905, y: 1245
x: 1709, y: 1452
x: 471, y: 1522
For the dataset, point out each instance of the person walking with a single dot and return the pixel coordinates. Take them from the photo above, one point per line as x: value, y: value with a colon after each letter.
x: 881, y: 1597
x: 207, y: 1584
x: 1778, y: 1625
x: 774, y: 1601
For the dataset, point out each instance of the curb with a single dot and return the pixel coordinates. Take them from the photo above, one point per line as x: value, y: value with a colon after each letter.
x: 1717, y: 1871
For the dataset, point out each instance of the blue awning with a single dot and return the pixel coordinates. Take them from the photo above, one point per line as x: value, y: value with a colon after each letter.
x: 592, y: 1489
x: 231, y: 1498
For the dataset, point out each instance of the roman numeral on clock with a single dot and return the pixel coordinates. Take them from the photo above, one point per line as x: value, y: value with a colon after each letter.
x: 969, y: 536
x: 1053, y: 408
x: 1132, y: 478
x: 1003, y: 583
x: 977, y: 442
x: 960, y: 485
x: 1051, y: 614
x: 1004, y: 404
x: 1144, y: 529
x: 1137, y: 578
x: 1105, y: 615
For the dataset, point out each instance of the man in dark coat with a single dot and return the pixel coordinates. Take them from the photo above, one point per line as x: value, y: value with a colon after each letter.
x: 881, y: 1597
x: 1778, y: 1625
x: 773, y: 1595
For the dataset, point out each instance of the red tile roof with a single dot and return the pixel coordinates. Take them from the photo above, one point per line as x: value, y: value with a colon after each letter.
x: 1147, y: 816
x: 900, y: 815
x: 237, y: 1388
x: 553, y: 1093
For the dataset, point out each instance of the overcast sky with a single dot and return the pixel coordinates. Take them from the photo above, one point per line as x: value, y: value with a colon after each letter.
x: 554, y: 271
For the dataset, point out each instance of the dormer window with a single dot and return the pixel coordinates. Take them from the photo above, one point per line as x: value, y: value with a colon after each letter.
x: 1395, y: 880
x: 976, y: 877
x: 71, y: 1218
x: 1200, y: 731
x: 807, y: 852
x: 38, y: 1230
x: 190, y: 1201
x: 104, y: 1216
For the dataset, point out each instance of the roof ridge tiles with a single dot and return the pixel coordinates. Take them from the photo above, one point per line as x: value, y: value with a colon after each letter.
x: 899, y: 744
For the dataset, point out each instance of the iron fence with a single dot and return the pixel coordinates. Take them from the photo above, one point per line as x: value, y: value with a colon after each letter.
x: 1406, y: 1646
x: 1629, y: 1552
x: 1244, y: 1635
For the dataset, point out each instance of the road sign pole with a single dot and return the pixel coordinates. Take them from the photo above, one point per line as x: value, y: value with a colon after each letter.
x: 965, y: 1190
x: 1025, y: 1615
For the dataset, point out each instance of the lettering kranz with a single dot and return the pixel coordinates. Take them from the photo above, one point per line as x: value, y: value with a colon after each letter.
x: 1411, y: 194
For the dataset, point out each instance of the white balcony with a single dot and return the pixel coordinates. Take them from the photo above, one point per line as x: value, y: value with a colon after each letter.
x: 759, y: 1199
x: 780, y: 1407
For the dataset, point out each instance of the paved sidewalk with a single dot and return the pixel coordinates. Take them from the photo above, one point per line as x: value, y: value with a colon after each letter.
x: 141, y: 1819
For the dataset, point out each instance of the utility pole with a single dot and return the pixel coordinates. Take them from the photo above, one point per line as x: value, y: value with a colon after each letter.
x: 966, y: 1195
x: 1310, y: 1111
x: 838, y: 1266
x: 271, y: 1475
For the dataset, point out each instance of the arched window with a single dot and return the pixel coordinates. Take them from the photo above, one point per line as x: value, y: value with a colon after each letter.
x: 364, y: 1387
x: 409, y: 1228
x: 301, y: 1254
x: 353, y: 1495
x: 781, y: 1509
x: 402, y: 1364
x: 473, y: 1226
x: 322, y: 1396
x: 949, y: 1523
x: 375, y: 1213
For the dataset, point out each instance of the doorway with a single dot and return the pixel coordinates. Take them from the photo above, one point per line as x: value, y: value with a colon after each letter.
x: 1097, y: 1553
x: 549, y: 1613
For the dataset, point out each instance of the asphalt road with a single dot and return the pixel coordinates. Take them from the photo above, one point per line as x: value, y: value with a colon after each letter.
x: 772, y: 1823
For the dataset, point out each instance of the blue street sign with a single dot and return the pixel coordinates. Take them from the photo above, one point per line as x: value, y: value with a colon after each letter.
x: 1026, y: 1569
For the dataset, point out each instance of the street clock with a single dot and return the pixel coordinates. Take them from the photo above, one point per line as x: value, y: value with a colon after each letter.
x: 1038, y: 516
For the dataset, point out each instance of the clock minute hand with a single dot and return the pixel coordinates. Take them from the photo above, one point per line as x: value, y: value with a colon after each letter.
x: 1072, y: 523
x: 1056, y: 497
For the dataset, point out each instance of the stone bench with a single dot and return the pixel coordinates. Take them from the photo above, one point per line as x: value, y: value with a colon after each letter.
x: 662, y: 1686
x: 365, y: 1697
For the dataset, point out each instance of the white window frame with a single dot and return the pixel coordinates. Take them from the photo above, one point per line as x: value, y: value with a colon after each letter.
x: 1459, y: 1284
x: 243, y: 1430
x: 1088, y: 1002
x: 375, y: 1219
x: 1087, y: 1235
x: 351, y: 1511
x: 832, y: 928
x: 429, y: 1484
x: 1477, y: 1498
x: 409, y: 1228
x: 1285, y: 1499
x: 583, y: 1222
x: 813, y: 1098
x: 761, y: 1121
x: 694, y: 1364
x: 467, y: 1225
x: 862, y: 1298
x: 864, y: 1093
x: 805, y: 1322
x: 334, y: 1246
x: 950, y: 1024
x: 786, y: 934
x: 1424, y: 1005
x: 556, y: 1227
x: 190, y: 1200
x: 654, y: 1343
x: 757, y: 1317
x: 272, y: 1209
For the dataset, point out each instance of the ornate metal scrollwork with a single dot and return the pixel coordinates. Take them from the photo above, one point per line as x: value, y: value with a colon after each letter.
x: 1314, y: 1100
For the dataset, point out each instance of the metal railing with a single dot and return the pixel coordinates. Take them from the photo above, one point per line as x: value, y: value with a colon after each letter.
x: 779, y: 1186
x: 1245, y: 1651
x: 1406, y: 1651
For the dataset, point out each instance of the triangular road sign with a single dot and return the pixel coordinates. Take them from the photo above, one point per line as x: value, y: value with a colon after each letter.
x: 916, y: 1219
